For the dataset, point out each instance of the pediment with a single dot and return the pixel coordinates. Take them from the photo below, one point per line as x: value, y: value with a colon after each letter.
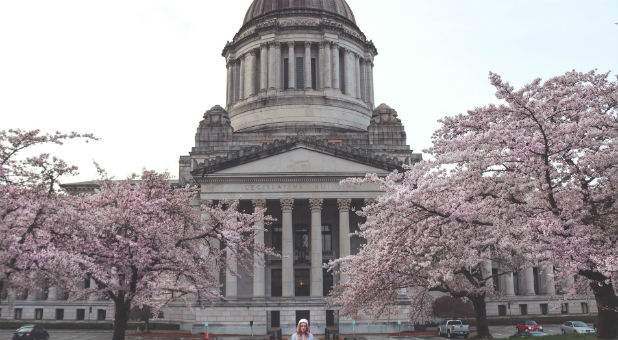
x: 301, y: 160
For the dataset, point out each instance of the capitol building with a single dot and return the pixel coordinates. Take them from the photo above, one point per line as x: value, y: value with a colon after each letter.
x: 299, y: 116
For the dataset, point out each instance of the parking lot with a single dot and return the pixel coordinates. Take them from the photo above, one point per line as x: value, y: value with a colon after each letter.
x: 6, y: 334
x: 499, y: 332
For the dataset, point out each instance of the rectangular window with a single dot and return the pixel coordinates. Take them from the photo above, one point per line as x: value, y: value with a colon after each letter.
x: 59, y: 314
x: 502, y: 310
x: 38, y: 313
x: 286, y: 78
x: 564, y: 308
x: 275, y: 319
x: 330, y: 318
x: 276, y: 238
x: 523, y: 309
x: 544, y: 308
x: 314, y: 74
x: 535, y: 275
x: 275, y: 282
x: 584, y: 308
x: 327, y: 282
x: 18, y: 312
x: 87, y: 283
x: 302, y: 282
x: 300, y: 73
x: 80, y: 314
x: 101, y: 314
x: 327, y: 239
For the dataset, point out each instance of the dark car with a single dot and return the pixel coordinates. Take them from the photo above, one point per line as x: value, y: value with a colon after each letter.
x: 30, y: 332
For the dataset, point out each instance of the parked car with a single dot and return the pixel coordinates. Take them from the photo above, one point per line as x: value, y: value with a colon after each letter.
x: 453, y: 328
x: 526, y: 334
x: 30, y: 332
x: 575, y: 327
x: 529, y: 325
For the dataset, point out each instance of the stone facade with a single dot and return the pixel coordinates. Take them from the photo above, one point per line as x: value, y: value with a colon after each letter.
x: 299, y: 117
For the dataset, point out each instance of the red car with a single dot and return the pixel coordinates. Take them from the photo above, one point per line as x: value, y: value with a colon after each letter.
x: 529, y: 325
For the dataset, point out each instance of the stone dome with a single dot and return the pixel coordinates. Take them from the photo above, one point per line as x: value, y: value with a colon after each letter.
x: 261, y: 8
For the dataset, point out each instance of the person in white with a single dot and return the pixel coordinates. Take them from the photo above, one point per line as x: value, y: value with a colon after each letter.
x: 302, y: 331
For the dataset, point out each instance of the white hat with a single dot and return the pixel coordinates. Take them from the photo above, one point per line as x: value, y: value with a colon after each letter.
x: 303, y: 320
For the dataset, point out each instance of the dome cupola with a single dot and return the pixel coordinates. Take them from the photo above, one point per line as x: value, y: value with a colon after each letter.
x: 299, y: 63
x: 337, y: 8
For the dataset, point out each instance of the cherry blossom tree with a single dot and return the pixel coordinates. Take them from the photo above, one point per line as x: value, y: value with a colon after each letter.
x: 530, y: 181
x: 555, y: 144
x: 28, y: 192
x: 433, y: 230
x: 144, y: 242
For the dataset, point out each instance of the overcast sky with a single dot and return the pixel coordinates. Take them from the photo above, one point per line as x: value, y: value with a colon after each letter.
x: 139, y: 74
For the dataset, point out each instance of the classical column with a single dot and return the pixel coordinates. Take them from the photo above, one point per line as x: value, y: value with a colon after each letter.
x: 287, y: 251
x: 271, y: 66
x: 236, y: 81
x: 263, y: 67
x: 321, y: 65
x: 316, y: 247
x: 258, y: 257
x: 358, y: 75
x: 231, y: 281
x: 508, y: 289
x: 52, y: 293
x: 344, y: 230
x: 230, y: 89
x: 326, y: 65
x: 335, y: 70
x: 349, y: 73
x: 546, y: 278
x: 486, y: 272
x: 93, y: 285
x: 278, y: 82
x: 371, y: 99
x: 252, y: 74
x: 12, y: 294
x: 243, y: 65
x: 526, y: 281
x: 307, y: 65
x: 291, y: 66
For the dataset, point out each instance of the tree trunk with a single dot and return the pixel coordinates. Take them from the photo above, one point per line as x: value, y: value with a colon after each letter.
x: 147, y: 325
x: 480, y: 311
x: 607, y: 305
x: 121, y: 318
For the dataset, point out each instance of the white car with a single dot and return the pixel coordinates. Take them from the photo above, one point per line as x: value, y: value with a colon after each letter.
x: 576, y: 327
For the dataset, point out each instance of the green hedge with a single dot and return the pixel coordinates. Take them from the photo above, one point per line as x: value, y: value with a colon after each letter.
x: 86, y: 325
x: 539, y: 319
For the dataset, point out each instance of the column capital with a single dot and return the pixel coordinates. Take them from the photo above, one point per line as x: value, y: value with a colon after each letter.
x: 291, y: 44
x: 323, y: 44
x: 287, y: 204
x: 259, y: 203
x: 316, y: 204
x: 308, y: 44
x: 344, y: 204
x: 252, y: 53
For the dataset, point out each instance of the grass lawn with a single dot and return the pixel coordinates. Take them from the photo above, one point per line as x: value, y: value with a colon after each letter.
x: 564, y: 337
